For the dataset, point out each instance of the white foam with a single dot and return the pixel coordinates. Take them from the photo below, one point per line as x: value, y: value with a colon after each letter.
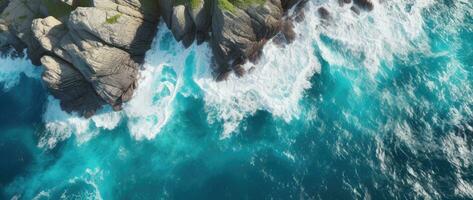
x: 12, y: 68
x: 372, y: 37
x: 61, y: 125
x: 151, y: 106
x: 276, y: 84
x: 152, y: 103
x: 90, y: 178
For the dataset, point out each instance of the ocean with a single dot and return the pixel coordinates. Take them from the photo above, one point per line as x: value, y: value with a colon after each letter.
x: 375, y: 106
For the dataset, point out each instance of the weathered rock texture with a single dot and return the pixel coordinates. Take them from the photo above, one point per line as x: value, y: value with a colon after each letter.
x: 91, y: 54
x: 92, y: 49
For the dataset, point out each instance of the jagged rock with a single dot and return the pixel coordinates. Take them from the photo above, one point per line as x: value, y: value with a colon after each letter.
x: 111, y: 71
x: 94, y: 45
x: 143, y: 9
x: 114, y: 28
x: 17, y: 16
x: 92, y: 50
x: 9, y: 41
x: 299, y: 14
x: 202, y: 18
x: 237, y: 34
x: 70, y: 87
x: 48, y: 31
x: 239, y: 70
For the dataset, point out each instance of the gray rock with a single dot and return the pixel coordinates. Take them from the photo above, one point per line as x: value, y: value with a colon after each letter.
x: 201, y: 15
x: 242, y: 33
x: 70, y: 87
x: 182, y: 25
x: 18, y: 16
x: 92, y: 54
x: 287, y: 29
x: 166, y: 10
x: 114, y: 28
x: 102, y: 52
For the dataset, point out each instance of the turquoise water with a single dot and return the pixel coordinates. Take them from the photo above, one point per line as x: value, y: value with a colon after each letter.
x: 374, y: 106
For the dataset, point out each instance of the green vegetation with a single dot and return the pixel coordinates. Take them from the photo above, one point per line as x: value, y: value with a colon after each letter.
x: 191, y: 3
x: 57, y: 8
x: 226, y: 5
x: 231, y: 5
x: 113, y: 19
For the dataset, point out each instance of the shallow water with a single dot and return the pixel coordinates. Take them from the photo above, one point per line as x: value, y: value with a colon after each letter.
x: 373, y: 106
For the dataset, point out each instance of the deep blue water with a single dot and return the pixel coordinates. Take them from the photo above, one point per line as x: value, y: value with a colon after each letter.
x: 383, y: 110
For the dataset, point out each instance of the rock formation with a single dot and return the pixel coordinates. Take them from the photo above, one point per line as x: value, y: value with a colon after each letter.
x: 92, y: 49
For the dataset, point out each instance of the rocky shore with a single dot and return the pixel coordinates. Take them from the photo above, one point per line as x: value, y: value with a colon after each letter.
x: 92, y: 49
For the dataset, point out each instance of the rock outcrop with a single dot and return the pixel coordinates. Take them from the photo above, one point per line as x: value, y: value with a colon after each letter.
x: 92, y: 49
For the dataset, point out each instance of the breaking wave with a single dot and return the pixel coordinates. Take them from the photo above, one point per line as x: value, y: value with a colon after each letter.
x: 12, y: 68
x: 376, y: 105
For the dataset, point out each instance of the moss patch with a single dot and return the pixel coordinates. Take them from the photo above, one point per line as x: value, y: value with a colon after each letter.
x: 231, y: 5
x: 113, y: 19
x: 226, y: 5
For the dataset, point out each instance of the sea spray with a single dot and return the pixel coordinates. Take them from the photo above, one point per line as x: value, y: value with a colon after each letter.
x: 162, y: 78
x: 12, y: 68
x: 275, y: 84
x: 394, y: 124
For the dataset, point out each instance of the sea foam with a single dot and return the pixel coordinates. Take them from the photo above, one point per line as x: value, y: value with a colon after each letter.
x: 12, y: 68
x: 275, y: 84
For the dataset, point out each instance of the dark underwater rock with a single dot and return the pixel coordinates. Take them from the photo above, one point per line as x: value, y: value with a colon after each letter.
x: 364, y: 4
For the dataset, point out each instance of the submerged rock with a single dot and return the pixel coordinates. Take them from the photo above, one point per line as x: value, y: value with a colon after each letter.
x: 364, y: 4
x: 355, y: 10
x: 324, y: 14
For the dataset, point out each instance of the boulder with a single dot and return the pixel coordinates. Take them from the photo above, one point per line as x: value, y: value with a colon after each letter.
x: 70, y: 87
x: 114, y: 28
x: 92, y: 50
x: 182, y: 25
x: 17, y: 17
x: 99, y: 49
x: 201, y: 16
x: 238, y: 34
